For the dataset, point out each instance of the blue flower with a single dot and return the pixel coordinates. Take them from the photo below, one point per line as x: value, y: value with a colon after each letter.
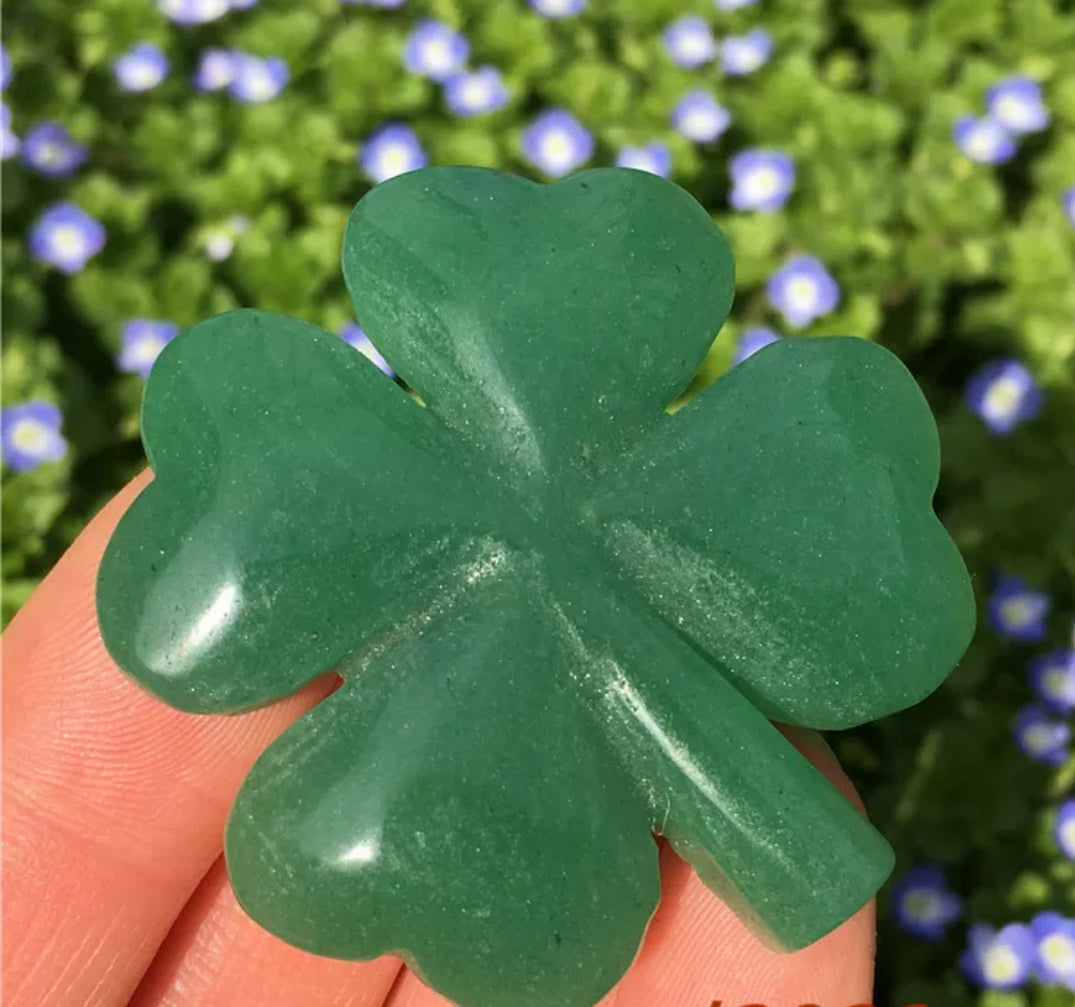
x: 50, y: 150
x: 753, y: 339
x: 242, y: 4
x: 352, y: 334
x: 258, y: 80
x: 1041, y: 736
x: 743, y: 54
x: 761, y: 180
x: 1052, y: 676
x: 689, y: 42
x: 923, y: 905
x: 999, y: 960
x: 482, y: 90
x: 733, y: 4
x: 557, y: 143
x: 1064, y: 828
x: 983, y: 140
x: 9, y: 142
x: 1055, y: 938
x: 1017, y: 611
x: 700, y: 117
x: 1068, y: 202
x: 141, y: 341
x: 435, y: 50
x: 802, y: 290
x: 141, y: 68
x: 1004, y: 394
x: 1015, y: 103
x: 654, y: 157
x: 216, y: 69
x: 66, y: 237
x: 5, y: 67
x: 558, y: 8
x: 386, y: 4
x: 390, y: 151
x: 30, y: 435
x: 193, y: 11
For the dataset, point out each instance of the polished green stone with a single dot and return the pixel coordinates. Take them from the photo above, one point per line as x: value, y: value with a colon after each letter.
x: 564, y: 617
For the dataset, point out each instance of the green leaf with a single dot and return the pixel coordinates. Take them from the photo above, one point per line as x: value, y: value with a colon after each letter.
x: 427, y: 249
x: 740, y: 566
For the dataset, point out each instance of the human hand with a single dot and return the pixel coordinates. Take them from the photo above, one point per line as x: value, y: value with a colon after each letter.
x: 115, y: 890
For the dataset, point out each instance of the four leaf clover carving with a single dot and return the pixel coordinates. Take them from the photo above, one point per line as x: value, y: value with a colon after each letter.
x: 564, y: 617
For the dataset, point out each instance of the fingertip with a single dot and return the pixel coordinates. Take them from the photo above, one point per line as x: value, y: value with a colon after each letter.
x: 696, y: 951
x: 813, y: 746
x: 116, y: 803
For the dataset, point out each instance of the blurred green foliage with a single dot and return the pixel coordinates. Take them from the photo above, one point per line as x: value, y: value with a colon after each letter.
x: 948, y: 263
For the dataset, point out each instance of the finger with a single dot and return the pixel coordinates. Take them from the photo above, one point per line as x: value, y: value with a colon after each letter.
x: 696, y: 950
x: 113, y: 803
x: 216, y: 956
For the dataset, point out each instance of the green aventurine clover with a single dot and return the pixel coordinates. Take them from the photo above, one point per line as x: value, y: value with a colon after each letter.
x: 563, y: 616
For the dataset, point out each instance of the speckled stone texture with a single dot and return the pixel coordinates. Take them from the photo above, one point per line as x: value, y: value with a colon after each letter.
x: 564, y: 616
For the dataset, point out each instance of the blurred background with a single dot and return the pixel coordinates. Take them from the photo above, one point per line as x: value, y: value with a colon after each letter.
x: 897, y: 171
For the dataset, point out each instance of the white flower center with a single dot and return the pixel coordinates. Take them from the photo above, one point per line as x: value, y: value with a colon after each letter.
x: 50, y: 153
x: 393, y: 159
x: 556, y: 148
x: 1058, y: 683
x: 368, y: 350
x: 1003, y: 397
x: 699, y: 122
x: 639, y: 160
x: 922, y: 905
x: 146, y: 350
x: 259, y: 84
x: 1039, y: 739
x: 693, y: 46
x: 474, y: 93
x: 218, y: 73
x: 141, y: 74
x: 1058, y: 952
x: 205, y: 10
x: 1013, y: 110
x: 981, y: 144
x: 436, y: 55
x: 1000, y: 964
x: 555, y: 8
x: 1017, y: 612
x: 30, y: 436
x: 802, y: 293
x: 761, y: 184
x: 745, y: 56
x: 68, y: 240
